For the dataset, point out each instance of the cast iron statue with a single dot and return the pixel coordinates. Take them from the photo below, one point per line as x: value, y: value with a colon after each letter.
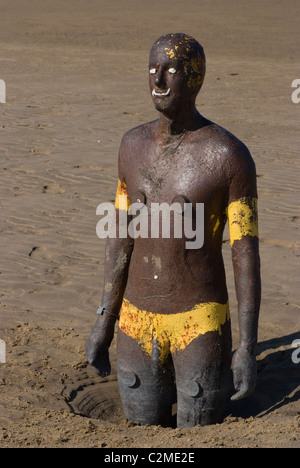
x: 174, y: 333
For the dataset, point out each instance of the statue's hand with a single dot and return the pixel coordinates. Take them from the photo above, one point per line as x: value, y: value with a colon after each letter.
x: 97, y: 346
x: 244, y: 373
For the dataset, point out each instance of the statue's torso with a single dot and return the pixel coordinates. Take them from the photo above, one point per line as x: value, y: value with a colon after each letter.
x: 164, y: 275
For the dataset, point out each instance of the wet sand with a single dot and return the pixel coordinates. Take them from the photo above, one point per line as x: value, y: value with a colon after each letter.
x: 77, y: 79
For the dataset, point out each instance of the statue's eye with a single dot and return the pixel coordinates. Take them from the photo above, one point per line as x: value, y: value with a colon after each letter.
x: 152, y: 71
x: 172, y: 71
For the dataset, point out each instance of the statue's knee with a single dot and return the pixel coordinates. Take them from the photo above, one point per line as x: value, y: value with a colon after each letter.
x: 128, y: 379
x: 189, y: 388
x: 146, y: 398
x: 198, y: 405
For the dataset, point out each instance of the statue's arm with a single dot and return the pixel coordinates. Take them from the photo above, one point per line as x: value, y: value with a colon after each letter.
x: 243, y: 227
x: 117, y: 259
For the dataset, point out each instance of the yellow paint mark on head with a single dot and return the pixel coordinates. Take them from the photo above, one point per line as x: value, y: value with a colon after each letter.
x: 195, y: 81
x: 170, y: 52
x: 242, y: 219
x: 193, y: 68
x: 196, y: 65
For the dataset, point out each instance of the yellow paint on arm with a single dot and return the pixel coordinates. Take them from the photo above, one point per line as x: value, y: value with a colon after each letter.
x: 216, y: 226
x: 214, y: 223
x: 242, y: 219
x: 122, y: 201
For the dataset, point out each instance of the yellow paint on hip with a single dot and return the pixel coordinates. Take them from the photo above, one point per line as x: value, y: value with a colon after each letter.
x: 122, y: 201
x: 172, y: 332
x: 242, y: 219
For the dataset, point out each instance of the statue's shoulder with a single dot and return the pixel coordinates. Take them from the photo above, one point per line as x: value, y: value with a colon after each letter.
x: 133, y: 144
x: 227, y: 145
x: 138, y: 134
x: 220, y: 137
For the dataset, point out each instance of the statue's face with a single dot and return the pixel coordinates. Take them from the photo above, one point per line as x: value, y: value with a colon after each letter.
x: 175, y: 78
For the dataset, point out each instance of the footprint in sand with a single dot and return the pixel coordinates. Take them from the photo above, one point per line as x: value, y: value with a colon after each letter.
x: 53, y: 188
x: 37, y: 150
x: 39, y: 253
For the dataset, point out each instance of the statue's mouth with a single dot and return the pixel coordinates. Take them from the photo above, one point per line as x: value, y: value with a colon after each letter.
x: 161, y: 94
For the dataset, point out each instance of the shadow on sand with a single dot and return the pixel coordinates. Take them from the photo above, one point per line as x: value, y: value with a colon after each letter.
x: 278, y: 379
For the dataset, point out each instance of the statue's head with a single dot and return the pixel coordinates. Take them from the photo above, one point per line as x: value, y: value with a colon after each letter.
x: 177, y: 69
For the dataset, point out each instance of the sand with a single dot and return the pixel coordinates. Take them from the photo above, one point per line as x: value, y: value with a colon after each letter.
x: 76, y: 76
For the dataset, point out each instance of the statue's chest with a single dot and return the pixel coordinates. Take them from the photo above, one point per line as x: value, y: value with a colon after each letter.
x: 189, y: 171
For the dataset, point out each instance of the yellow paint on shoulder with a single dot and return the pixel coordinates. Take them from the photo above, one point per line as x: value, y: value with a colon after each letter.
x: 122, y: 201
x: 172, y: 332
x: 242, y: 219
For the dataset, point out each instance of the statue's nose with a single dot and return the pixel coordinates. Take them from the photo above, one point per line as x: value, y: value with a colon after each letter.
x: 159, y: 80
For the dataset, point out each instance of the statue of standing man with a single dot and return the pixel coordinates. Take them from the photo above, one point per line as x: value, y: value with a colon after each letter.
x: 174, y: 333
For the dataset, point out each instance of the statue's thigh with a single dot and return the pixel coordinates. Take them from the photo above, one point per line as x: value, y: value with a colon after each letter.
x: 203, y: 379
x: 146, y: 389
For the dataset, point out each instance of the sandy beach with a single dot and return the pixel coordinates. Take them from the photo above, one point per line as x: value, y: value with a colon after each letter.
x: 76, y: 75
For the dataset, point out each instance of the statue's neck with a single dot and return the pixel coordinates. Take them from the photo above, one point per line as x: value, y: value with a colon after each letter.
x: 187, y: 120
